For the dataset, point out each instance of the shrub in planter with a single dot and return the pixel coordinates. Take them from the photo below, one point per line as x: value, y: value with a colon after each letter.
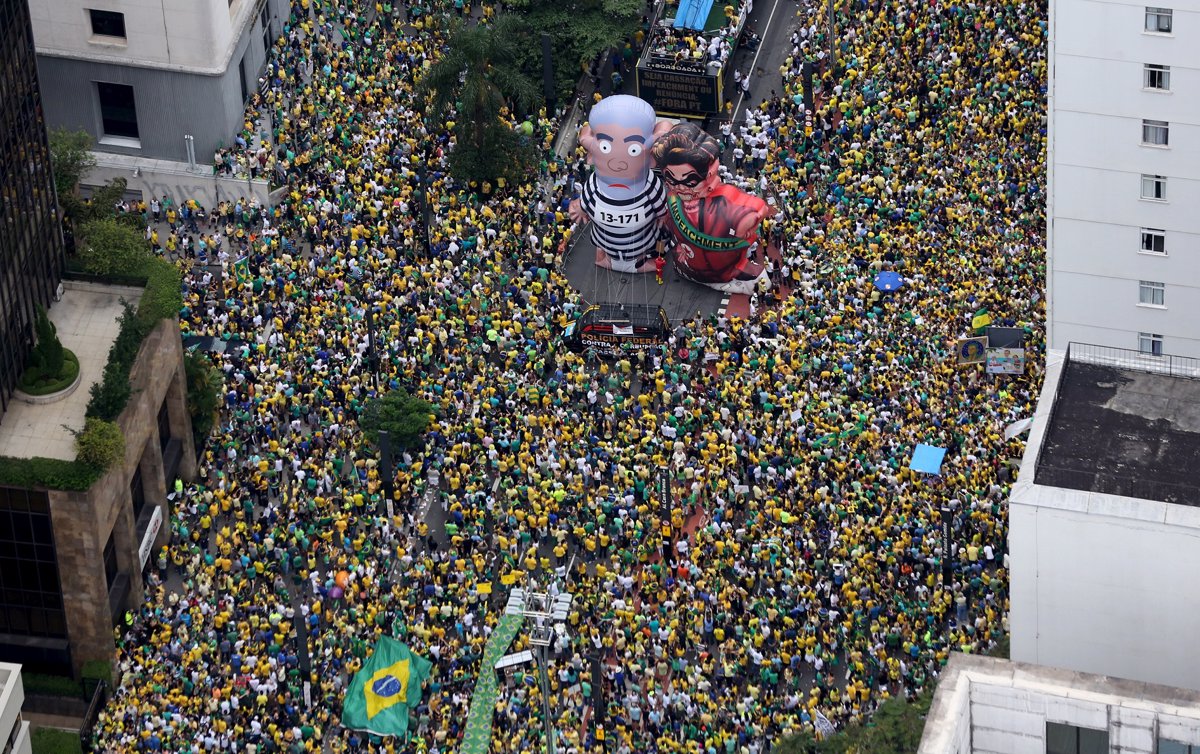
x: 34, y: 382
x: 100, y: 444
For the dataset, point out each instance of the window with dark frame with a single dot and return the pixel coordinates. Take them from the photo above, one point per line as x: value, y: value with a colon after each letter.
x: 1167, y: 746
x: 1158, y: 20
x: 107, y: 23
x: 1072, y: 739
x: 118, y: 110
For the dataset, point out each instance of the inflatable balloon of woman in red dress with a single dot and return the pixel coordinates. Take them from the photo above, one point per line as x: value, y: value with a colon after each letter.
x: 715, y: 225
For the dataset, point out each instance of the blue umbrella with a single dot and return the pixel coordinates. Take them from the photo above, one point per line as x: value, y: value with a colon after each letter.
x: 889, y: 281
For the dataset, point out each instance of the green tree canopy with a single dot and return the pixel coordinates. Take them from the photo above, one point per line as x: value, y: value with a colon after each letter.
x: 70, y: 159
x: 48, y: 353
x: 895, y: 728
x: 403, y: 416
x: 110, y: 247
x: 579, y: 31
x: 204, y: 385
x: 480, y: 75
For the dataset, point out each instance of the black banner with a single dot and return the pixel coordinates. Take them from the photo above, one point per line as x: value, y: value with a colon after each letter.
x: 673, y: 91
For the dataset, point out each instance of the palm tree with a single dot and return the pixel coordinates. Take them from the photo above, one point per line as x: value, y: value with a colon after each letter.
x: 479, y: 74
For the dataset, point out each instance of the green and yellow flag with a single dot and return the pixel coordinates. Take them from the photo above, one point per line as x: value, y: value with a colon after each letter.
x: 241, y: 270
x: 980, y: 320
x: 381, y: 694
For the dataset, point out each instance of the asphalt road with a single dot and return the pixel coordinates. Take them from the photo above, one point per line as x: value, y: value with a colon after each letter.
x: 679, y: 297
x: 773, y: 20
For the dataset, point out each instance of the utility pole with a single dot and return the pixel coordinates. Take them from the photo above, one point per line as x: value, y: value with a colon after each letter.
x: 832, y: 40
x: 549, y: 615
x: 385, y: 462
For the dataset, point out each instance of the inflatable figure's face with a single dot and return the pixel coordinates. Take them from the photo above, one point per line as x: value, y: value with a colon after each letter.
x: 689, y: 183
x: 621, y: 154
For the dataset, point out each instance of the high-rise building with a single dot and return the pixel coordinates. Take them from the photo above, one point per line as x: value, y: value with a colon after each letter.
x: 139, y: 78
x: 31, y: 245
x: 1123, y: 162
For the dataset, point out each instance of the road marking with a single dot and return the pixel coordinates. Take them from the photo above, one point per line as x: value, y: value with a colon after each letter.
x: 754, y: 63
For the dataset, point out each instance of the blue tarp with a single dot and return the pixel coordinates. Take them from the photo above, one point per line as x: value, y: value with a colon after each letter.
x: 927, y: 459
x: 693, y: 14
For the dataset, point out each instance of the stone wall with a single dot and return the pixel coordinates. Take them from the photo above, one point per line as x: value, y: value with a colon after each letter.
x: 83, y: 521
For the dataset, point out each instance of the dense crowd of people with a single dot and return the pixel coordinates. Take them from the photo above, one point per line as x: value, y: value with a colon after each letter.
x: 797, y: 568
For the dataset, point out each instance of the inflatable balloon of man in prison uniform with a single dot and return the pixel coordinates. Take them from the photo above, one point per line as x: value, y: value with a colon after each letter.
x: 622, y: 197
x: 714, y: 224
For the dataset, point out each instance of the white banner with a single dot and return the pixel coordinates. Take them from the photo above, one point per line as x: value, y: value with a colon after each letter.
x: 1017, y: 427
x: 150, y: 535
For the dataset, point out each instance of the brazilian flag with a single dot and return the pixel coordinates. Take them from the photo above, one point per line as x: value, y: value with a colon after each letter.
x: 241, y: 270
x: 382, y: 693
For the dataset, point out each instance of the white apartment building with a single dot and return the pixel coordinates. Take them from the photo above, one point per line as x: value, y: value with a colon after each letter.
x: 1123, y: 161
x: 1104, y: 522
x: 14, y: 732
x: 139, y: 75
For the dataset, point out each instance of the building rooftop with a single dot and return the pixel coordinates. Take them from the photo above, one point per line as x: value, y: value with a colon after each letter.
x: 1120, y: 431
x: 87, y: 318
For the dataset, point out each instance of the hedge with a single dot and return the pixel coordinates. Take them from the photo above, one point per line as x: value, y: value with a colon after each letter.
x: 52, y: 685
x: 37, y: 387
x: 47, y: 473
x: 111, y: 394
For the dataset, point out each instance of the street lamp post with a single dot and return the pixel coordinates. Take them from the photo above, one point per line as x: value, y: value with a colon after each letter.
x: 549, y: 614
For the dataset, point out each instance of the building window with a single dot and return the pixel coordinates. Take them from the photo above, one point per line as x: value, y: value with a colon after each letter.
x: 1155, y: 132
x: 265, y: 16
x: 1154, y: 187
x: 1158, y: 20
x: 1151, y: 293
x: 107, y: 23
x: 1155, y: 76
x: 1154, y: 241
x: 1071, y: 739
x: 1167, y: 746
x: 118, y: 113
x: 1151, y: 343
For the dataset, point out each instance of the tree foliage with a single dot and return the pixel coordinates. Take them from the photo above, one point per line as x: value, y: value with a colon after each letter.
x: 895, y: 728
x: 109, y: 247
x: 480, y: 75
x: 48, y: 354
x: 204, y: 384
x: 579, y: 31
x: 403, y: 416
x: 70, y: 159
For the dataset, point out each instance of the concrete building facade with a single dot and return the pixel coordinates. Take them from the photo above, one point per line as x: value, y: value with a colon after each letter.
x: 72, y: 563
x: 140, y: 75
x: 985, y: 705
x: 1123, y: 163
x: 1104, y: 523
